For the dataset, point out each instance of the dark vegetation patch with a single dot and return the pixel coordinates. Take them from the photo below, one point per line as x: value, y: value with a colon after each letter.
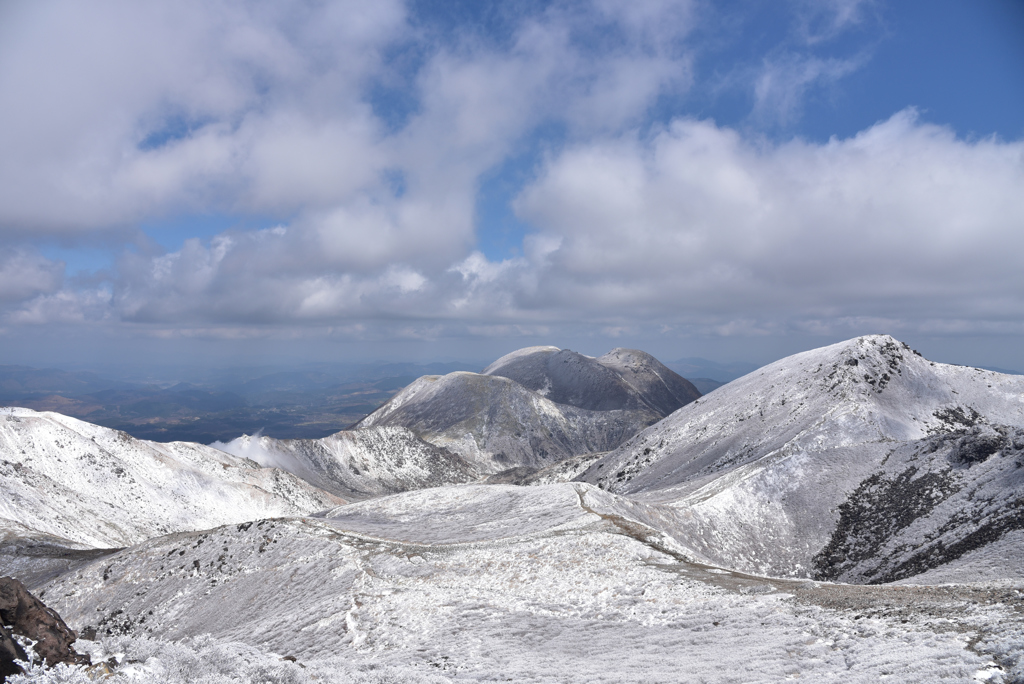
x: 882, y: 507
x: 955, y: 419
x: 876, y: 511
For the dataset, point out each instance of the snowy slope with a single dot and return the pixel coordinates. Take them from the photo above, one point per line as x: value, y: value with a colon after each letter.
x: 92, y: 486
x: 624, y: 379
x: 491, y: 583
x: 497, y: 424
x: 355, y: 464
x: 778, y: 465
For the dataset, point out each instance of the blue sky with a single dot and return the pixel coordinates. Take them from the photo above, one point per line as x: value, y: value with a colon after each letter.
x: 421, y: 180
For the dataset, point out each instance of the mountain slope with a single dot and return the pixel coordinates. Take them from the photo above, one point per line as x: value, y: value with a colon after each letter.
x: 70, y: 480
x: 622, y: 379
x: 355, y: 464
x: 537, y: 406
x: 492, y: 583
x: 770, y: 468
x: 497, y: 424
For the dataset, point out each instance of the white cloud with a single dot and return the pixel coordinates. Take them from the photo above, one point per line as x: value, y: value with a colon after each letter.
x: 25, y: 274
x: 782, y: 83
x: 135, y: 111
x: 903, y: 219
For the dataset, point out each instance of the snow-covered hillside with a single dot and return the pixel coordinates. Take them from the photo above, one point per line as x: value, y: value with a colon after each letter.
x: 561, y: 583
x: 497, y: 424
x: 626, y: 379
x: 861, y: 461
x: 537, y: 406
x: 355, y: 464
x: 65, y: 479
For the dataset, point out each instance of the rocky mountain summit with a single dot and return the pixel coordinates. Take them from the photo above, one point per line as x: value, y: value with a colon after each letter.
x: 622, y: 379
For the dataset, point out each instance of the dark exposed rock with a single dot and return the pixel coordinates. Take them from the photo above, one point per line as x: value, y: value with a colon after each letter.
x: 29, y: 617
x: 977, y: 444
x: 10, y: 651
x: 956, y: 419
x: 872, y: 541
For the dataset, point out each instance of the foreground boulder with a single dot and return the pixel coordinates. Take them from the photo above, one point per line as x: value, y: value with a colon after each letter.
x: 29, y: 617
x: 10, y: 651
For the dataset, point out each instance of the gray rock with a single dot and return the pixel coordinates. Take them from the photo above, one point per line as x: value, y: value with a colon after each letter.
x: 29, y: 617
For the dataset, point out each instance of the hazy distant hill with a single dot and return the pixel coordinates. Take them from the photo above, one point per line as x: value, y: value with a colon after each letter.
x: 695, y: 367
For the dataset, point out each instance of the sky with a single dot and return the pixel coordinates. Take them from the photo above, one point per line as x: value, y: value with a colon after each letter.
x: 236, y: 182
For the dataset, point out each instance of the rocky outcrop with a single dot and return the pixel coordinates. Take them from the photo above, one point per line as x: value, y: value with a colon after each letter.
x: 29, y: 617
x: 10, y: 651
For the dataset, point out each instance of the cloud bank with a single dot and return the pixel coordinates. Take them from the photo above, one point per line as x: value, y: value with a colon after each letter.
x: 363, y: 132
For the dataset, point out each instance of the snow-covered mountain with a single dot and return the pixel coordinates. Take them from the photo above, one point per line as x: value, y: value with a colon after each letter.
x: 497, y: 424
x: 860, y: 461
x: 65, y: 480
x: 537, y: 406
x: 356, y: 464
x: 621, y: 379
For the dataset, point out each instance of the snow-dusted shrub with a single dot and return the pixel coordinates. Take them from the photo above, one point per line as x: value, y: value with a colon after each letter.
x: 60, y: 674
x: 203, y: 660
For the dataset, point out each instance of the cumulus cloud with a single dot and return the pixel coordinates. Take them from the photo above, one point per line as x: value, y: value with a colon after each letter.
x: 902, y: 218
x: 131, y: 112
x: 903, y: 224
x: 25, y: 274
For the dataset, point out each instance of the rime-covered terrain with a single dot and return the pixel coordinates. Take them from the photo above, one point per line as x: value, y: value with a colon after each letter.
x: 850, y: 514
x: 861, y: 461
x: 497, y: 424
x: 561, y: 583
x: 66, y: 481
x: 355, y: 464
x: 621, y: 379
x: 538, y: 406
